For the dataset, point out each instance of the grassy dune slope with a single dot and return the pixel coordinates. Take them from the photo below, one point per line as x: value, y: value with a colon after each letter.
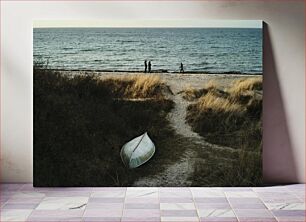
x: 232, y: 118
x: 229, y: 117
x: 80, y: 126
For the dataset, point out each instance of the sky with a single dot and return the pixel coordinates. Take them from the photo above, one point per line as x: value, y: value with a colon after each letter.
x: 149, y: 23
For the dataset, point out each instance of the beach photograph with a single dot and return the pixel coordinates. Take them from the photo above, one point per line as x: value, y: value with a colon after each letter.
x: 147, y: 103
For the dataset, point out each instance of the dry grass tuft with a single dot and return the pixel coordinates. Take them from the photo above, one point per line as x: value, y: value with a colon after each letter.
x: 215, y: 115
x: 219, y: 104
x: 192, y: 94
x: 211, y: 85
x: 145, y: 86
x: 136, y: 86
x: 231, y: 118
x: 247, y: 84
x: 245, y: 91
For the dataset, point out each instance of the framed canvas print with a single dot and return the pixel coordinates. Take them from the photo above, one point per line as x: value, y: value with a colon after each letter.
x: 148, y: 103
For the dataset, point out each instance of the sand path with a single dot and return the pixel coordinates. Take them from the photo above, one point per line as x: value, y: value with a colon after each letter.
x: 178, y: 172
x: 177, y: 117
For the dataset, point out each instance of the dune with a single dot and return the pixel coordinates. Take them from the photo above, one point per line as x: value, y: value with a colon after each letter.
x: 106, y: 109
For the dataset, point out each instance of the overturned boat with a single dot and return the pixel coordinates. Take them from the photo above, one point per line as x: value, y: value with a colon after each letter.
x: 137, y: 151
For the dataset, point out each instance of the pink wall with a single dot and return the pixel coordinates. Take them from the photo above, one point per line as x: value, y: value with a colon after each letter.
x: 279, y: 161
x: 284, y: 72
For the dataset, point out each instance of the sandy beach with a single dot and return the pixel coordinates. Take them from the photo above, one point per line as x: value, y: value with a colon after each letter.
x: 177, y: 81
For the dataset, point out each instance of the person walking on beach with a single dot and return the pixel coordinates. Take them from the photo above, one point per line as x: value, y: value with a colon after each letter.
x: 146, y: 66
x: 149, y: 67
x: 181, y: 68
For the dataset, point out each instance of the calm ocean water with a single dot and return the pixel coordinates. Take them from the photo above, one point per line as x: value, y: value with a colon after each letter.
x: 212, y: 50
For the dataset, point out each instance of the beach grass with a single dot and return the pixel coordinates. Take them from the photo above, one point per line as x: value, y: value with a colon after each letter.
x: 136, y: 86
x: 191, y: 94
x: 231, y: 118
x: 227, y: 168
x: 244, y: 85
x: 80, y: 127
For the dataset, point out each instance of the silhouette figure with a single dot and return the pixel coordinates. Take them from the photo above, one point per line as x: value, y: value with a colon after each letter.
x: 181, y: 68
x: 149, y: 66
x: 146, y: 66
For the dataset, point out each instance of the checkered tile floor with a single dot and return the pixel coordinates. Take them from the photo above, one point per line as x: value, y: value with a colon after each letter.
x: 22, y: 202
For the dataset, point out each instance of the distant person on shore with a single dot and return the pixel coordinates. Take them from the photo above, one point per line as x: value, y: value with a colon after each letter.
x: 146, y: 66
x: 149, y: 67
x: 181, y: 68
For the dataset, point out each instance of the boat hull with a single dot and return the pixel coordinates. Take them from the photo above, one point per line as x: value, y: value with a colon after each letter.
x: 137, y: 151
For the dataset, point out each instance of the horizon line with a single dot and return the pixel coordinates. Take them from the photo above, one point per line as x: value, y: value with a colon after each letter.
x: 148, y: 27
x: 191, y: 23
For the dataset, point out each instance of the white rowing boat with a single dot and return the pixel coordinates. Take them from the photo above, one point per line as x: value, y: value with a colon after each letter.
x: 137, y: 151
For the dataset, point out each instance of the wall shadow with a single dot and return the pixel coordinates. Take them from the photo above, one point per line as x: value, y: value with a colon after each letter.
x: 279, y: 165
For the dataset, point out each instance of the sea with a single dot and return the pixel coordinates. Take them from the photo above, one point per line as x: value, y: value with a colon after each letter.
x: 203, y: 50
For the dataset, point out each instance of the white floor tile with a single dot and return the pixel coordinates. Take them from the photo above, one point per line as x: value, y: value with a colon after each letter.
x: 62, y: 203
x: 14, y: 215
